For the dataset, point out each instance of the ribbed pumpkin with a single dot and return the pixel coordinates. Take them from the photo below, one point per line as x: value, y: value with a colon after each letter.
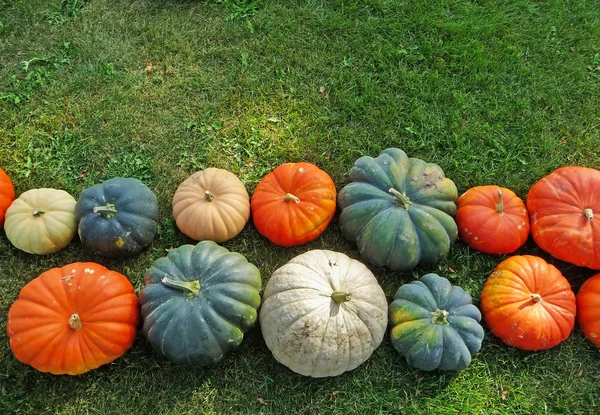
x: 528, y: 304
x: 588, y: 309
x: 293, y: 204
x: 323, y: 314
x: 41, y: 221
x: 7, y: 194
x: 73, y: 319
x: 399, y: 210
x: 211, y: 204
x: 564, y: 209
x: 198, y: 302
x: 435, y: 324
x: 118, y: 217
x: 492, y: 219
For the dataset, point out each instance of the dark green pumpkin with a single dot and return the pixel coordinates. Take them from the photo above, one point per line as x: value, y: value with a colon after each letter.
x: 435, y: 324
x: 198, y: 302
x: 399, y: 210
x: 118, y: 217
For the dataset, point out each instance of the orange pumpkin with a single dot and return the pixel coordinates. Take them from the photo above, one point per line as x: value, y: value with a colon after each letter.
x: 293, y: 204
x: 73, y: 319
x: 564, y: 209
x: 492, y: 219
x: 588, y: 309
x: 7, y: 194
x: 528, y: 304
x: 211, y: 204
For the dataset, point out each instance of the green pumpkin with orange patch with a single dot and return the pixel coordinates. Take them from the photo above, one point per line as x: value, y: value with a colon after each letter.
x: 435, y: 324
x: 117, y: 218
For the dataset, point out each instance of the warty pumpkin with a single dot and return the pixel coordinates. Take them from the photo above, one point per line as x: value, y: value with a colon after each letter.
x: 41, y: 221
x: 211, y: 204
x: 73, y: 319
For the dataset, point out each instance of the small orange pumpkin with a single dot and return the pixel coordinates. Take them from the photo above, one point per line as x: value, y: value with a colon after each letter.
x: 7, y: 194
x: 588, y: 309
x: 73, y: 319
x: 293, y: 204
x: 211, y: 204
x: 528, y: 304
x: 492, y: 219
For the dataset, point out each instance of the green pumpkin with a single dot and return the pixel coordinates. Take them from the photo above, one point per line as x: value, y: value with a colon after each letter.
x: 399, y: 210
x: 435, y: 324
x: 198, y: 302
x: 118, y: 217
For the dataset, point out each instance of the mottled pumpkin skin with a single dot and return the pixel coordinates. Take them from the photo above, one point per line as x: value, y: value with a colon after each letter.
x: 293, y: 204
x: 44, y: 334
x: 399, y: 210
x: 199, y: 329
x: 492, y: 219
x: 588, y: 309
x: 7, y: 194
x: 435, y: 324
x: 564, y: 210
x: 130, y: 224
x: 528, y: 304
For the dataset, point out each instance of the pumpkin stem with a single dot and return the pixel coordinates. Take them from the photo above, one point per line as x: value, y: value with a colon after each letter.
x: 341, y: 296
x: 401, y: 199
x: 75, y: 322
x: 38, y: 212
x: 439, y: 316
x: 189, y: 288
x: 500, y: 204
x: 589, y: 213
x: 208, y: 195
x: 536, y: 298
x: 108, y: 211
x: 291, y: 198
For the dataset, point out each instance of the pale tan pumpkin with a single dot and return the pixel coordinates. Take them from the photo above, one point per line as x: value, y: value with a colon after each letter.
x: 211, y: 204
x: 41, y: 221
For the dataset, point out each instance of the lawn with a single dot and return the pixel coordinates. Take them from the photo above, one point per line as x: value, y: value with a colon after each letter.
x: 494, y: 91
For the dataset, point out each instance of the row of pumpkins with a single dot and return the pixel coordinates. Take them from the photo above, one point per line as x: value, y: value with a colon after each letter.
x: 322, y: 313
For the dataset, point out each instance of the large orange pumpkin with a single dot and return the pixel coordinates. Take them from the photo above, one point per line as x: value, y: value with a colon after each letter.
x: 588, y: 309
x: 73, y: 319
x: 492, y: 219
x: 7, y: 194
x: 564, y: 209
x: 293, y: 204
x: 528, y: 304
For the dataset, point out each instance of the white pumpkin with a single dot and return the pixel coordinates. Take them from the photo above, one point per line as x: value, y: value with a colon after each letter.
x: 41, y: 221
x: 323, y: 314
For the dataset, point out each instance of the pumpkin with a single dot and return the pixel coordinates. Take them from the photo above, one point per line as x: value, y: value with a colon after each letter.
x: 564, y: 209
x: 7, y: 194
x: 528, y: 304
x: 73, y: 319
x: 323, y: 314
x: 435, y: 324
x: 198, y: 302
x: 212, y: 204
x: 293, y: 204
x: 41, y: 221
x: 588, y: 309
x: 399, y: 210
x: 118, y: 217
x: 492, y: 219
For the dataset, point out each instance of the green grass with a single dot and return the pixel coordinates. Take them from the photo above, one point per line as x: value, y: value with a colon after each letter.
x: 493, y: 91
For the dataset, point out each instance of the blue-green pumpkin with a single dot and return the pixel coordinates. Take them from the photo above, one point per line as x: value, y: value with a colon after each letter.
x: 435, y: 325
x: 198, y: 302
x: 118, y: 217
x: 399, y: 210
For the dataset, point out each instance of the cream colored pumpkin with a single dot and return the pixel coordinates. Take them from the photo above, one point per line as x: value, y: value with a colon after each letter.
x: 41, y: 221
x: 211, y: 204
x: 323, y: 314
